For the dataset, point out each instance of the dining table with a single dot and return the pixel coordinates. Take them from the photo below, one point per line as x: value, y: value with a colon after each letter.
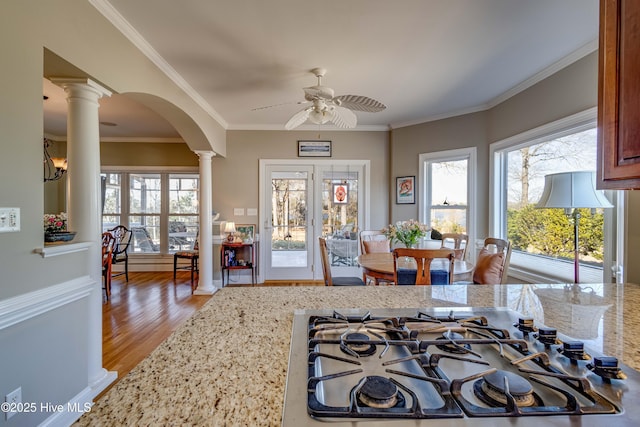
x: 379, y: 266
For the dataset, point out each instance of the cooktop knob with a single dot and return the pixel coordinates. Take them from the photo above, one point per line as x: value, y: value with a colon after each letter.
x: 607, y: 368
x: 548, y: 337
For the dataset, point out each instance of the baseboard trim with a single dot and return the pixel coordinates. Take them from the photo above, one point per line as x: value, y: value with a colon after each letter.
x: 23, y: 307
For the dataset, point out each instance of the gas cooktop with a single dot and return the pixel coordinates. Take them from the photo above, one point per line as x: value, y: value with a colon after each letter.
x: 394, y: 367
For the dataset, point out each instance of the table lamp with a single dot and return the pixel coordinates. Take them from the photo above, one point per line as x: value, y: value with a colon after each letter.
x: 570, y: 191
x: 230, y: 229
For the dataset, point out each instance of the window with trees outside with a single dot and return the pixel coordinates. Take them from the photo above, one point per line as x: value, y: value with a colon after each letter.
x: 161, y: 209
x: 542, y: 239
x: 448, y: 190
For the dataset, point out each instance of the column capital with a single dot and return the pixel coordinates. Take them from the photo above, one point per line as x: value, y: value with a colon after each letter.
x: 204, y: 154
x: 69, y: 83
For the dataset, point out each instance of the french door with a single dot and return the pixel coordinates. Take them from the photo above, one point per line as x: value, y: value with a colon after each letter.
x: 302, y: 201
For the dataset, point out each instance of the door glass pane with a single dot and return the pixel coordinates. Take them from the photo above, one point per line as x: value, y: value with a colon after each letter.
x: 449, y: 191
x: 289, y: 219
x: 340, y: 216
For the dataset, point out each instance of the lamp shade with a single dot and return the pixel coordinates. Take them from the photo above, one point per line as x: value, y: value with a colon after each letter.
x: 572, y: 190
x: 230, y: 227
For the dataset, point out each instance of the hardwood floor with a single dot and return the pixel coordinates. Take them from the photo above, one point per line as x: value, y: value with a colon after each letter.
x: 142, y: 313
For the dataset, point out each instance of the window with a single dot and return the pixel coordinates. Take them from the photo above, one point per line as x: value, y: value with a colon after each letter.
x: 161, y: 209
x: 183, y: 211
x: 448, y: 190
x: 542, y: 239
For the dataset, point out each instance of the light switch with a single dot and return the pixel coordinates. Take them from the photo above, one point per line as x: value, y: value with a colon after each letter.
x: 238, y: 211
x: 252, y: 211
x: 9, y: 220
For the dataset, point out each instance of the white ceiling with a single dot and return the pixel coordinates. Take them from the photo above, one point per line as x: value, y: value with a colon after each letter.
x: 424, y: 59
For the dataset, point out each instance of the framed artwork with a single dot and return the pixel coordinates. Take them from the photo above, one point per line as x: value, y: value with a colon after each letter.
x: 246, y: 232
x: 314, y: 148
x: 340, y: 194
x: 405, y: 190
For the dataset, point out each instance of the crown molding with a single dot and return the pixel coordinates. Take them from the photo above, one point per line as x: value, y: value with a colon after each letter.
x: 122, y: 25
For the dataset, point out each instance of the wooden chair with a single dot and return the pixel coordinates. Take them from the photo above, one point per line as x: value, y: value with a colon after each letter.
x: 121, y: 248
x: 422, y: 275
x: 492, y: 267
x: 193, y: 256
x: 326, y: 270
x: 108, y: 242
x: 456, y: 241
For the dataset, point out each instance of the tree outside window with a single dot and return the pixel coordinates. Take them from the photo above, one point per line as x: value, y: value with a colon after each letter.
x: 549, y: 232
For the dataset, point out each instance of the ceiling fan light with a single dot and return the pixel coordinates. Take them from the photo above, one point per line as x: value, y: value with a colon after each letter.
x: 318, y: 117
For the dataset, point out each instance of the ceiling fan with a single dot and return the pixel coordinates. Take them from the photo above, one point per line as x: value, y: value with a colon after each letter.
x: 329, y: 108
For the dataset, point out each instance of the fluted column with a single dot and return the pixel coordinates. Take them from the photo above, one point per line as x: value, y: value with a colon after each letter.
x: 205, y: 278
x: 84, y: 204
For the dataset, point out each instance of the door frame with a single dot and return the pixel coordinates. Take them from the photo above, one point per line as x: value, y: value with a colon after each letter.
x: 364, y: 192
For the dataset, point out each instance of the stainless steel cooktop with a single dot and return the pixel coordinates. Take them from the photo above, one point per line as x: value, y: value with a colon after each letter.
x: 396, y: 367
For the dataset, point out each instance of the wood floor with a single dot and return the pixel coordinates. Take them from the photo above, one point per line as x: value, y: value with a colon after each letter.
x: 142, y: 313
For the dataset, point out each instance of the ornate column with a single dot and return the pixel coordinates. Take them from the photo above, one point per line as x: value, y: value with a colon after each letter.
x: 84, y: 204
x: 205, y: 278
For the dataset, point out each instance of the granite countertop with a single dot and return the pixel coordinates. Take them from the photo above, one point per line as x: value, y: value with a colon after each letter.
x: 227, y: 365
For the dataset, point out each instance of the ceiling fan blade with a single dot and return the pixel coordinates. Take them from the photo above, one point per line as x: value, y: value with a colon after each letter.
x: 314, y: 92
x: 298, y: 118
x: 360, y: 103
x: 277, y: 105
x: 344, y: 118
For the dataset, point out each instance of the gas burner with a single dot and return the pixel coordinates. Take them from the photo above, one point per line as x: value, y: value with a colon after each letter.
x: 548, y: 337
x: 607, y: 368
x: 451, y: 346
x: 491, y: 390
x: 525, y: 325
x: 380, y: 392
x: 574, y: 350
x: 360, y: 347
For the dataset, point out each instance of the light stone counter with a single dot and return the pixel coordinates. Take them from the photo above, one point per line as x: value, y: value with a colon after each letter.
x: 227, y: 365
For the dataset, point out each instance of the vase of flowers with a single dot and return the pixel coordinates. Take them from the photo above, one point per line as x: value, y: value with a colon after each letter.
x: 55, y: 228
x: 406, y: 232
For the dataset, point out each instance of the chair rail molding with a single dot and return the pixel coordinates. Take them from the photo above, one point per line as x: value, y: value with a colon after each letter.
x: 66, y: 248
x: 23, y: 307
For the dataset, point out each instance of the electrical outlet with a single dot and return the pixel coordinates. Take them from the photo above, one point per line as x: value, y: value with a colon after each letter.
x: 13, y: 399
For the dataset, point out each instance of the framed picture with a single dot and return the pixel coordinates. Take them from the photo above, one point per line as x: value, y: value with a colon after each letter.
x: 246, y: 232
x: 340, y: 194
x: 314, y: 148
x: 405, y: 190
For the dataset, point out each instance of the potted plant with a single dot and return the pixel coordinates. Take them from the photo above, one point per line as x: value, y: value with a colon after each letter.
x: 55, y: 228
x: 406, y: 232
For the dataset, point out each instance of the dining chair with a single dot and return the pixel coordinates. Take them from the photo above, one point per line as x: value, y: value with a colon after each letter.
x: 493, y: 262
x: 193, y: 256
x: 329, y: 280
x: 121, y: 248
x: 456, y: 241
x: 373, y: 241
x: 421, y: 273
x: 108, y: 242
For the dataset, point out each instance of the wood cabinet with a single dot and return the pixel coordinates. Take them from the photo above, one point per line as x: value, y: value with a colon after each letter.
x: 618, y: 164
x: 239, y: 256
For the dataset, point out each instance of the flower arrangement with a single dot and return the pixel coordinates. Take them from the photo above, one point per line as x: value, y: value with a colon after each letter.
x: 406, y: 232
x: 54, y: 223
